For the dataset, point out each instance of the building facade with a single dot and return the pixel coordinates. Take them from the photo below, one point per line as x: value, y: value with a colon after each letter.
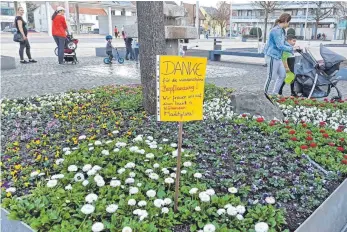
x: 246, y: 16
x: 8, y: 13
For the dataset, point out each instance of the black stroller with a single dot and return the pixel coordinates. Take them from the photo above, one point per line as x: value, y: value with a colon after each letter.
x: 69, y: 50
x: 315, y: 79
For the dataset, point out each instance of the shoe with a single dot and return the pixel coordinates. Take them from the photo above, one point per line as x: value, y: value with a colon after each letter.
x: 24, y: 62
x: 32, y: 61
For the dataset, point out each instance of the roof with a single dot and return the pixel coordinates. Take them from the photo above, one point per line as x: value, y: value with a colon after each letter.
x: 209, y: 10
x: 191, y: 10
x: 82, y: 10
x: 170, y: 3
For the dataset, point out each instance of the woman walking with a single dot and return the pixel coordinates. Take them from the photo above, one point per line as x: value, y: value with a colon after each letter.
x: 21, y: 26
x: 59, y: 28
x: 277, y: 44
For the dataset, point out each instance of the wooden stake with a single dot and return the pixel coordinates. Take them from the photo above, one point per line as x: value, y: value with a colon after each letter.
x: 178, y: 167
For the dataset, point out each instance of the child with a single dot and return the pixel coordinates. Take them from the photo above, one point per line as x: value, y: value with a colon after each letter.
x: 109, y: 47
x: 135, y: 46
x: 291, y: 39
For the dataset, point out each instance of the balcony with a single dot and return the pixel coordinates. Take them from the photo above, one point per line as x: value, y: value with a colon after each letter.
x: 272, y: 18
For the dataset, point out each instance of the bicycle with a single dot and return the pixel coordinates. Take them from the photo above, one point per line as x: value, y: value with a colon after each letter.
x: 108, y: 60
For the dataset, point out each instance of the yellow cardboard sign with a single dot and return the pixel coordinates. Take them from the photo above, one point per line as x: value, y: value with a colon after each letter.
x: 180, y: 88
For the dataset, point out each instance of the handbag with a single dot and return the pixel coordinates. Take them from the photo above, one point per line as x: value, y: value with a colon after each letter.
x: 17, y: 37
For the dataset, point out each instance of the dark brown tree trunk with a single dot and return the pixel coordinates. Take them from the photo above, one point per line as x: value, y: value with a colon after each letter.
x: 316, y: 30
x: 265, y: 26
x: 151, y: 32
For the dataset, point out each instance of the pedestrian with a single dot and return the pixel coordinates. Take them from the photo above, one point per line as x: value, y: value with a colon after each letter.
x: 318, y: 36
x: 59, y: 28
x: 109, y: 48
x: 136, y: 50
x: 276, y: 46
x: 128, y: 42
x: 21, y: 26
x: 291, y: 39
x: 116, y: 32
x: 324, y: 36
x: 123, y: 32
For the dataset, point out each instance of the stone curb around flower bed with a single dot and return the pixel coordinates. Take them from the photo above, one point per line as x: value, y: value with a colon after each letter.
x: 12, y: 225
x: 331, y: 215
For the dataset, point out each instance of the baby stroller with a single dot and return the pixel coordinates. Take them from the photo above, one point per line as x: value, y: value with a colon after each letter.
x: 316, y: 78
x: 69, y: 50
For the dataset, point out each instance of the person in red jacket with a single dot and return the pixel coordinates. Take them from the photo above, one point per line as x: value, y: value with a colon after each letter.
x: 59, y: 28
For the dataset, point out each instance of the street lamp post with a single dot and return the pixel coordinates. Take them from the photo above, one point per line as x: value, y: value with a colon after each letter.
x: 306, y: 20
x: 231, y: 19
x: 197, y: 9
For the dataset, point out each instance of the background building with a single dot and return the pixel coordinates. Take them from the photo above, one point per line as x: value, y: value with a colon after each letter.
x: 246, y: 16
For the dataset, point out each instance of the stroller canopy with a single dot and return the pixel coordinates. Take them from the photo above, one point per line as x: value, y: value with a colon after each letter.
x: 330, y: 58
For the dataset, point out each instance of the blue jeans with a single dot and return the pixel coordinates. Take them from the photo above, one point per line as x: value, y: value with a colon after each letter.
x: 136, y: 50
x: 60, y: 41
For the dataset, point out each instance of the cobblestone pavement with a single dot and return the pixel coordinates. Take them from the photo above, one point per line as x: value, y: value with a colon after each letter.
x: 47, y: 76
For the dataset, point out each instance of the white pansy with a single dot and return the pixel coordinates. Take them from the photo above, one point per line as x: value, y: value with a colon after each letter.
x: 183, y: 171
x: 142, y: 203
x: 91, y: 197
x: 187, y: 164
x: 127, y: 229
x: 11, y: 190
x: 82, y: 137
x: 120, y: 144
x: 98, y: 226
x: 173, y: 145
x: 115, y: 132
x: 133, y: 149
x: 129, y: 181
x: 193, y: 191
x: 68, y: 187
x: 111, y: 208
x: 115, y: 183
x: 228, y: 206
x: 87, y: 167
x: 34, y: 173
x: 153, y: 146
x: 133, y: 190
x: 198, y: 175
x: 97, y: 168
x: 221, y: 211
x: 91, y: 148
x: 204, y: 197
x: 156, y: 165
x: 109, y: 141
x: 52, y: 183
x: 150, y: 138
x: 132, y: 202
x: 57, y: 176
x: 59, y: 161
x: 87, y: 209
x: 65, y: 149
x: 105, y: 152
x: 209, y: 228
x: 232, y: 211
x: 120, y: 171
x: 173, y: 175
x: 85, y: 182
x: 158, y: 203
x: 167, y: 201
x: 116, y: 150
x: 151, y: 193
x: 270, y: 200
x: 97, y: 143
x: 154, y: 176
x: 197, y: 208
x: 165, y: 140
x: 132, y: 174
x: 261, y: 227
x: 240, y: 209
x: 138, y: 138
x: 210, y: 192
x: 138, y: 184
x: 169, y: 180
x: 232, y: 190
x: 239, y: 217
x: 72, y: 168
x: 164, y: 210
x: 150, y: 156
x: 148, y: 171
x: 91, y: 172
x: 130, y: 165
x: 79, y: 177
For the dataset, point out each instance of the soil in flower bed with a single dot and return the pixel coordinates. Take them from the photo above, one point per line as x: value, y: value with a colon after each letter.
x: 257, y: 163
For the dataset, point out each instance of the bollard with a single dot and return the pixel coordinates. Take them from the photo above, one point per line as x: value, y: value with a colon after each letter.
x: 217, y: 45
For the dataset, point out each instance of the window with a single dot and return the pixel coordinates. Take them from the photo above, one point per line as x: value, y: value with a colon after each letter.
x: 122, y: 13
x: 89, y: 28
x: 133, y: 13
x: 7, y: 11
x: 294, y: 12
x: 113, y: 12
x: 249, y: 13
x: 40, y: 21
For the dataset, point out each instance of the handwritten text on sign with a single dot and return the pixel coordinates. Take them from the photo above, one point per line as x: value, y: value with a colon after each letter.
x: 180, y: 88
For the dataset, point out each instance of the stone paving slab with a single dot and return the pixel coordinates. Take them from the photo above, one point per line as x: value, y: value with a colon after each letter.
x: 47, y: 76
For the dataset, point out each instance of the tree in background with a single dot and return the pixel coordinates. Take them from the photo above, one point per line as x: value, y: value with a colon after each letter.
x: 342, y: 14
x: 30, y: 8
x: 267, y: 7
x: 321, y: 10
x: 222, y: 14
x: 291, y: 31
x: 151, y: 32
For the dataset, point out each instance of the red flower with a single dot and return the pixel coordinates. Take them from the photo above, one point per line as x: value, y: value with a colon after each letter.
x: 288, y: 127
x: 304, y: 147
x: 342, y: 139
x: 309, y: 132
x: 339, y: 130
x: 345, y: 156
x: 286, y: 121
x: 322, y: 123
x: 313, y: 145
x: 260, y: 120
x: 293, y: 139
x: 331, y: 144
x: 322, y: 131
x: 309, y: 138
x: 304, y: 125
x: 244, y: 115
x: 292, y: 132
x: 325, y: 135
x: 344, y: 161
x: 340, y: 149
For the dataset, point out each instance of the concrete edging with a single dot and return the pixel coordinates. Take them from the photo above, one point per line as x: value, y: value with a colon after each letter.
x: 12, y: 225
x: 331, y: 215
x: 7, y: 62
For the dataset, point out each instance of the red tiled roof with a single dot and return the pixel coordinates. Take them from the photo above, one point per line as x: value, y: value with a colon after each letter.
x: 82, y: 10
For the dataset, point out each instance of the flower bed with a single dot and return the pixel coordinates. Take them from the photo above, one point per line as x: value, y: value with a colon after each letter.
x: 262, y: 160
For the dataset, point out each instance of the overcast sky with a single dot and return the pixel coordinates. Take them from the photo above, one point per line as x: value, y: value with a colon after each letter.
x: 211, y: 2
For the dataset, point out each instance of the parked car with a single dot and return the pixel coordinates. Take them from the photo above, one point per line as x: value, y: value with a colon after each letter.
x: 12, y: 30
x: 96, y: 31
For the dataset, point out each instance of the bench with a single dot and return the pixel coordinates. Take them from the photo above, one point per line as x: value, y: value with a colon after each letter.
x: 7, y: 62
x: 215, y: 55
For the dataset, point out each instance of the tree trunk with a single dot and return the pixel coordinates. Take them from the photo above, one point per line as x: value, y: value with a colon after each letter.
x: 15, y: 7
x: 265, y: 26
x: 151, y: 32
x: 344, y: 36
x: 316, y: 29
x: 77, y: 13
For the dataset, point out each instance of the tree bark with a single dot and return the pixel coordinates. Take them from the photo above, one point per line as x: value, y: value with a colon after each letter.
x: 344, y: 36
x: 77, y: 14
x: 265, y: 26
x: 151, y: 32
x: 316, y: 30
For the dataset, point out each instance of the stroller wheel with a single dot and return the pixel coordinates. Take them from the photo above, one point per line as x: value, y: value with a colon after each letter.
x: 107, y: 60
x: 71, y: 46
x: 56, y: 51
x: 120, y: 60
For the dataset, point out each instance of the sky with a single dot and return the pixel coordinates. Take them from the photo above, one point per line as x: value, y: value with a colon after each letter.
x: 211, y: 2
